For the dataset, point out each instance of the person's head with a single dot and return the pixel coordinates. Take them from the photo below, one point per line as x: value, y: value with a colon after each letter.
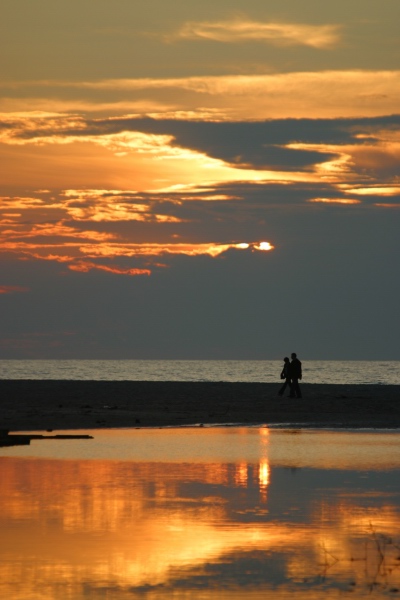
x: 293, y: 355
x: 286, y: 359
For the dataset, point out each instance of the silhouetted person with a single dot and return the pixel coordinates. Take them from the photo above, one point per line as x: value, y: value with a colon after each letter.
x: 286, y: 376
x: 295, y: 375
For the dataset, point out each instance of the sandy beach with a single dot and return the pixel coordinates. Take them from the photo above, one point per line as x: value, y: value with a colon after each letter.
x: 70, y: 405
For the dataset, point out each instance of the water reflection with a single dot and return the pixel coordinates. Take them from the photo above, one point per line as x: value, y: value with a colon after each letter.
x: 272, y: 520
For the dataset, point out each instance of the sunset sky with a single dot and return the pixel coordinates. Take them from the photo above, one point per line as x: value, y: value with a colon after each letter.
x: 201, y: 180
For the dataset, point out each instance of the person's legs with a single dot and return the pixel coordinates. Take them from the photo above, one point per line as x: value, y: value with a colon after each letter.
x: 283, y: 388
x: 295, y: 388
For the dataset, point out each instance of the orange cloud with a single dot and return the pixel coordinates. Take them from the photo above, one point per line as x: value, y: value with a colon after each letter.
x: 330, y: 93
x: 111, y: 205
x: 375, y: 190
x: 382, y: 155
x: 84, y: 267
x: 35, y: 233
x: 12, y: 289
x: 59, y: 240
x: 281, y: 34
x: 121, y: 160
x: 353, y: 161
x: 335, y: 200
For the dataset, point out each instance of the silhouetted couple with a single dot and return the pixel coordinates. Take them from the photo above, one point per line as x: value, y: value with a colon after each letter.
x: 291, y: 373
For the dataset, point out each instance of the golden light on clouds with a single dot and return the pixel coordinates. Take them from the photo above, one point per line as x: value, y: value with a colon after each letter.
x: 150, y: 179
x: 155, y: 249
x: 82, y: 228
x: 153, y: 163
x: 374, y: 190
x: 242, y: 30
x: 323, y: 94
x: 335, y: 200
x: 66, y: 244
x: 84, y: 267
x: 132, y: 195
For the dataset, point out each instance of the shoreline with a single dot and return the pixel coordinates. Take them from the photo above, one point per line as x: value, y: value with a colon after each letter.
x: 40, y: 405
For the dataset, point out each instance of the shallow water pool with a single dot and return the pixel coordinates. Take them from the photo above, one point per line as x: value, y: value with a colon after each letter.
x: 201, y: 514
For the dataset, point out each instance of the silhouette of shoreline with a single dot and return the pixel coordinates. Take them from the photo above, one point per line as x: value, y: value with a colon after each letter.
x: 34, y: 405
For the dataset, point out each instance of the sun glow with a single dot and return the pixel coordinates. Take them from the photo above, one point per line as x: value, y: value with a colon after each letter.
x: 265, y: 246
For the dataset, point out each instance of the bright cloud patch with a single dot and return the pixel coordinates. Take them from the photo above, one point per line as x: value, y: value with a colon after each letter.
x: 375, y: 190
x: 335, y: 200
x: 316, y: 36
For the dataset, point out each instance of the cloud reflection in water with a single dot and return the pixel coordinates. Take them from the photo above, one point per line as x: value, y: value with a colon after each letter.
x: 267, y: 519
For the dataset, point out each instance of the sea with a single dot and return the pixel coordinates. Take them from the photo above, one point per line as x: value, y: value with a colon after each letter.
x: 262, y: 371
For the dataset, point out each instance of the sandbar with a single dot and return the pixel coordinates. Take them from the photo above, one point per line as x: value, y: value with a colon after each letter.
x: 42, y: 405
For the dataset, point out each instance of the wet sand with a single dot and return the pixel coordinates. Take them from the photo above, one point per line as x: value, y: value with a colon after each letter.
x: 66, y: 405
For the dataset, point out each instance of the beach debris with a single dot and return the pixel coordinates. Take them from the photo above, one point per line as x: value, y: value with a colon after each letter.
x: 25, y: 439
x: 14, y: 440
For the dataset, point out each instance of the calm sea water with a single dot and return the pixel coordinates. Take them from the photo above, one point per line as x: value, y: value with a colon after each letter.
x: 202, y: 514
x: 347, y: 372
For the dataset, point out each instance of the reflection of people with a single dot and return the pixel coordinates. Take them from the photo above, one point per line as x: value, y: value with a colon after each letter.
x: 295, y: 375
x: 286, y: 376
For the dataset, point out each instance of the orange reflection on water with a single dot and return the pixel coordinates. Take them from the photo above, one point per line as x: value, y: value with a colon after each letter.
x: 241, y: 475
x: 124, y: 523
x: 263, y: 478
x: 195, y: 528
